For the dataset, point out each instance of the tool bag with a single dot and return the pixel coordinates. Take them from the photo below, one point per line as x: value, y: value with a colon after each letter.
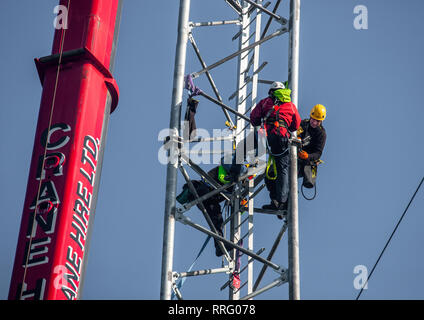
x: 189, y: 116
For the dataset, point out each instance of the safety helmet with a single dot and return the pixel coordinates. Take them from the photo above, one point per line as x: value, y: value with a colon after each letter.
x: 277, y: 85
x: 318, y: 112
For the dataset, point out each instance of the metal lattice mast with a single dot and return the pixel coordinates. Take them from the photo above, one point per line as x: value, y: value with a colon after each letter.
x: 249, y: 18
x: 235, y: 226
x: 293, y: 232
x: 172, y: 167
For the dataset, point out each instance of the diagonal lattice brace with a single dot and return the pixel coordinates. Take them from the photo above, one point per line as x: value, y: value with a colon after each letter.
x: 185, y: 220
x: 270, y: 13
x: 237, y: 53
x: 208, y: 75
x: 270, y: 255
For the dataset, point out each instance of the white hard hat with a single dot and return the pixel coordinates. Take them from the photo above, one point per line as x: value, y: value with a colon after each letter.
x: 277, y: 85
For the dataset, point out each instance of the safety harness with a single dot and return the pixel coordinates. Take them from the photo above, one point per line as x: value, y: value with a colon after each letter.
x: 273, y: 120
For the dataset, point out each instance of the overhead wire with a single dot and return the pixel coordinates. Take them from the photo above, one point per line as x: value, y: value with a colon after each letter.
x: 390, y: 238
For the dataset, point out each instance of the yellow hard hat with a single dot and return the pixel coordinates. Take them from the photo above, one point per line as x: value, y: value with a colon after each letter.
x: 318, y: 112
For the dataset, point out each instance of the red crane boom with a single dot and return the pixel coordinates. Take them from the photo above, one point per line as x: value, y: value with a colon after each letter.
x: 79, y: 93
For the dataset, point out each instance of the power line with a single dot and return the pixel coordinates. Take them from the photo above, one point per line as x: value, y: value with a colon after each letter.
x: 391, y: 236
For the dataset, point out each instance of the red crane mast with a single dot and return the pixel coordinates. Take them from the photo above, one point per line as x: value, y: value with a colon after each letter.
x: 79, y: 93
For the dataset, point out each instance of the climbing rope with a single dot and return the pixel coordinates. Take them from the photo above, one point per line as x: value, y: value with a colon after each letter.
x: 313, y: 197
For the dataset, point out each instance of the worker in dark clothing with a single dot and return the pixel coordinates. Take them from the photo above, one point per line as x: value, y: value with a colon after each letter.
x: 279, y: 117
x: 312, y: 150
x: 212, y: 204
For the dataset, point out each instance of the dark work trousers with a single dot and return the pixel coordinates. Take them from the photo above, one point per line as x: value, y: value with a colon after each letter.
x: 305, y: 172
x: 279, y: 188
x: 213, y: 208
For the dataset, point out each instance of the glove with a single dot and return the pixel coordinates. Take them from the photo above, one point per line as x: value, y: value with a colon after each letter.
x: 299, y: 131
x: 303, y: 155
x: 297, y: 141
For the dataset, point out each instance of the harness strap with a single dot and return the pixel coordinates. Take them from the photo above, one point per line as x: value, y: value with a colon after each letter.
x: 181, y: 281
x: 271, y: 162
x: 276, y: 121
x: 235, y: 277
x: 275, y: 154
x: 264, y: 123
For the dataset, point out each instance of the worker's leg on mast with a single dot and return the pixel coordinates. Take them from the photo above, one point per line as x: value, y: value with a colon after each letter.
x: 213, y: 209
x: 272, y: 189
x: 308, y: 177
x: 282, y: 181
x: 305, y: 172
x: 279, y: 188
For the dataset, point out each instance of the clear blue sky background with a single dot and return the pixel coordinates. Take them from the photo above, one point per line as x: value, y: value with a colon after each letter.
x: 369, y: 80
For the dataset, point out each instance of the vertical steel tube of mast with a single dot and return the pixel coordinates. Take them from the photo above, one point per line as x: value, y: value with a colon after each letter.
x: 251, y: 182
x: 293, y: 231
x: 240, y: 123
x: 171, y: 173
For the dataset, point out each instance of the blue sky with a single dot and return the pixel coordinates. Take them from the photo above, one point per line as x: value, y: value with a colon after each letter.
x: 369, y: 80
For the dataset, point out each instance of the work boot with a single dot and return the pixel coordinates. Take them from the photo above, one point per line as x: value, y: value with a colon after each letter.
x: 273, y: 206
x: 283, y: 206
x: 183, y: 197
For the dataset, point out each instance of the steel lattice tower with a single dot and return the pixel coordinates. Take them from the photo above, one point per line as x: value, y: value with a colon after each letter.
x: 251, y: 35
